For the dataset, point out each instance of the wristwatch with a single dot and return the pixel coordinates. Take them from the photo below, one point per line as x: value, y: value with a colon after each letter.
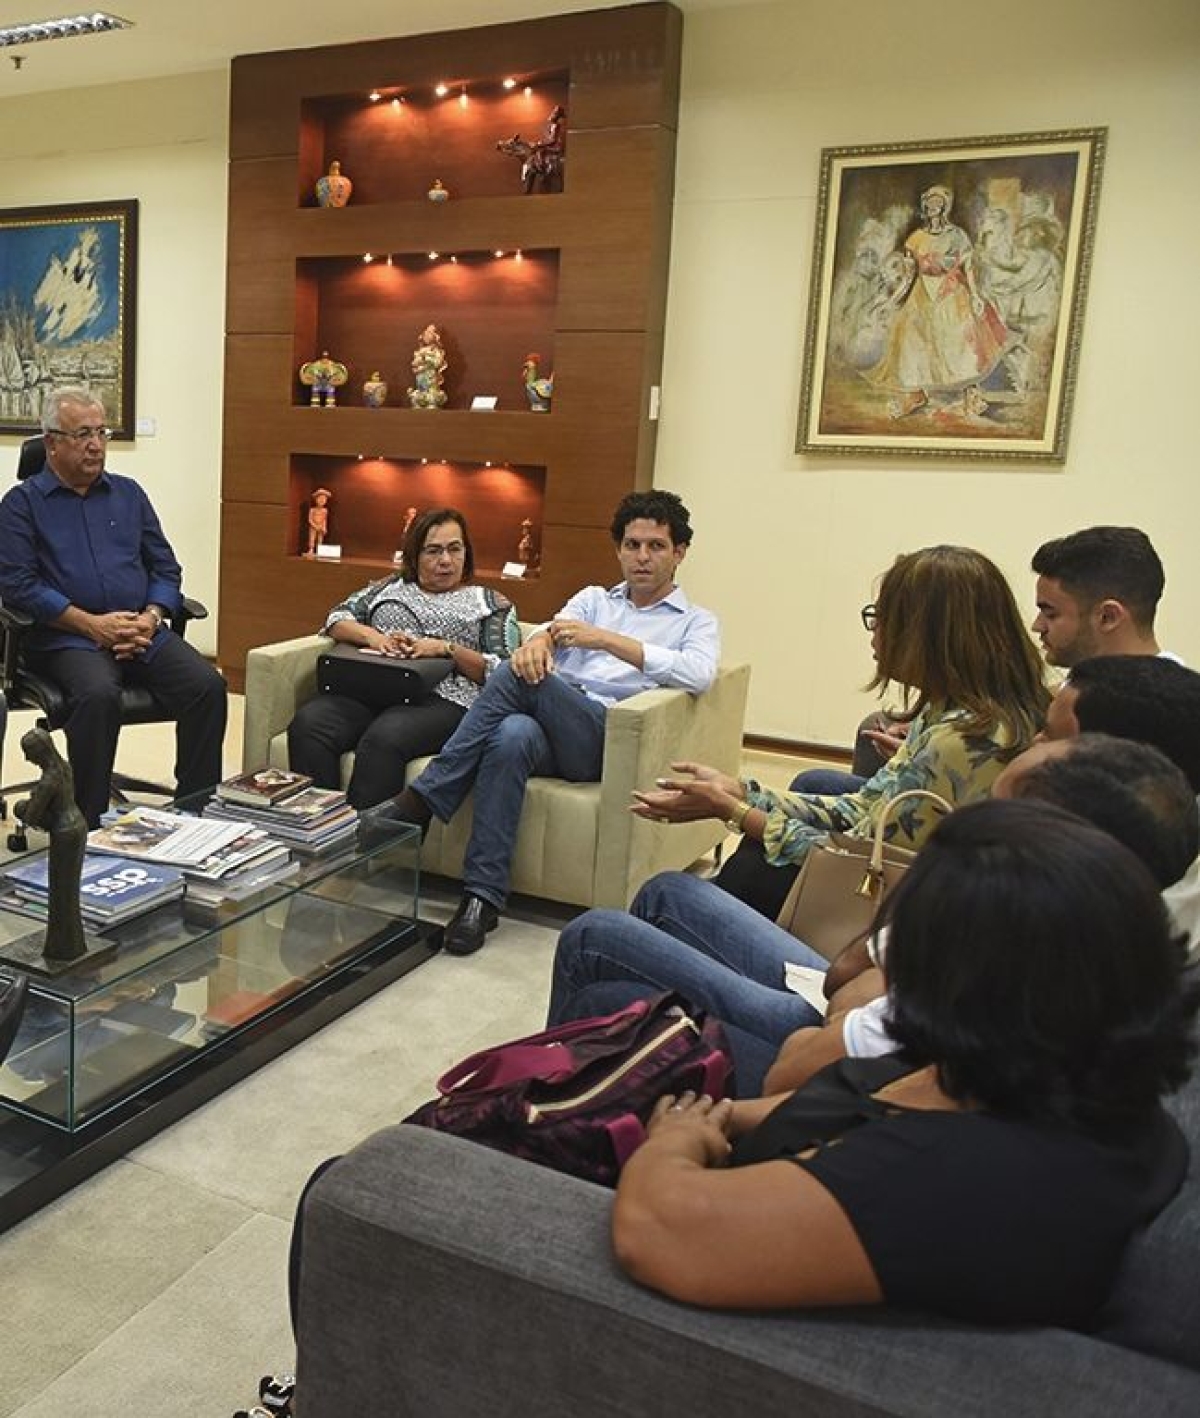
x: 448, y: 649
x: 154, y: 611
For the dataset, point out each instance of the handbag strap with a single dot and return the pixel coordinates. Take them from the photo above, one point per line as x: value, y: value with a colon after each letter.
x: 876, y: 864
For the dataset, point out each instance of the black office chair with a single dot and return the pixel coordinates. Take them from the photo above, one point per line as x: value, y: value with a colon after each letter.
x: 26, y: 688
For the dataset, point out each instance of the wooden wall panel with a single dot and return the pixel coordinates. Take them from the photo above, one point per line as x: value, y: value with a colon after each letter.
x: 589, y: 299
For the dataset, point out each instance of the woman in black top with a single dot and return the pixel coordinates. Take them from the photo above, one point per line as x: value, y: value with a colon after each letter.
x: 996, y: 1168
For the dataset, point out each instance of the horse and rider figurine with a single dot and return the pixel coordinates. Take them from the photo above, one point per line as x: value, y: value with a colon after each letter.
x: 542, y: 160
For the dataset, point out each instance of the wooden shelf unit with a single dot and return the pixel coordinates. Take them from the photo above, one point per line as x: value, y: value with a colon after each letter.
x: 587, y: 294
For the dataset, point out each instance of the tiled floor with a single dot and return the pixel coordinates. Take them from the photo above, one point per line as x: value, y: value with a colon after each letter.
x: 158, y: 1285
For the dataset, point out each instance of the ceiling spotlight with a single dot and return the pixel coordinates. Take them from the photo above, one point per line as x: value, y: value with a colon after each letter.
x: 497, y: 254
x: 528, y: 90
x: 374, y: 95
x: 454, y: 260
x: 397, y: 101
x: 462, y: 99
x: 433, y: 255
x: 442, y: 90
x: 510, y: 83
x: 367, y: 258
x: 389, y: 258
x: 68, y: 27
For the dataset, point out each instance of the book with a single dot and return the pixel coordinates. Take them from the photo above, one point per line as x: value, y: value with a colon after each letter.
x: 111, y: 889
x: 264, y: 787
x: 159, y: 836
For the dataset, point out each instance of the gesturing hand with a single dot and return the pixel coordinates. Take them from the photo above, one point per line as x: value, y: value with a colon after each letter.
x: 706, y: 793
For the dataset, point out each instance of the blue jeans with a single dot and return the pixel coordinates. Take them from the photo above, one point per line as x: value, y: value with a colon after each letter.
x: 511, y: 733
x: 685, y: 934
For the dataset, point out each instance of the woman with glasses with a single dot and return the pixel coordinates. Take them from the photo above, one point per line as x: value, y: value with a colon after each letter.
x: 946, y: 630
x: 427, y: 609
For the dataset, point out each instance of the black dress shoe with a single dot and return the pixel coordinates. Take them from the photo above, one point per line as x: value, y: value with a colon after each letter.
x: 469, y: 925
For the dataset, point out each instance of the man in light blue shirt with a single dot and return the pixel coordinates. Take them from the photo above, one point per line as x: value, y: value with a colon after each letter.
x: 543, y: 711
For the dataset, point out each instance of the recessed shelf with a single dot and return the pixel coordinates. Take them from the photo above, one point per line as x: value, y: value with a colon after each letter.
x: 491, y: 312
x: 371, y: 498
x: 394, y: 148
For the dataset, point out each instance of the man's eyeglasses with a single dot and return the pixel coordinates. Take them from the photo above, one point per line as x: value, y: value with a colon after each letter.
x: 433, y: 550
x: 83, y: 435
x: 870, y: 616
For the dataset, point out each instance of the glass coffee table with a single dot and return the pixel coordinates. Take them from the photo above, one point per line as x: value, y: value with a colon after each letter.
x: 193, y: 998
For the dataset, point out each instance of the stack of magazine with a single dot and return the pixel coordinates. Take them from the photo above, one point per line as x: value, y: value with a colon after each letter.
x: 241, y: 867
x: 217, y: 859
x: 310, y: 820
x: 111, y: 889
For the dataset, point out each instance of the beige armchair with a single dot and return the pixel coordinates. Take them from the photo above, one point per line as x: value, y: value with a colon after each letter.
x: 578, y: 842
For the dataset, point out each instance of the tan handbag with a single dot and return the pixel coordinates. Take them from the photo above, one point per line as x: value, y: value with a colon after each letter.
x: 834, y: 899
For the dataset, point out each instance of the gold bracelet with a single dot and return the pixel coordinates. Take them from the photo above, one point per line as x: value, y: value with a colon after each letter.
x: 449, y: 650
x: 736, y: 819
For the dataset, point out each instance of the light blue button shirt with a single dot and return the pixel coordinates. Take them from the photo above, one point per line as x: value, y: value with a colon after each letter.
x: 681, y: 644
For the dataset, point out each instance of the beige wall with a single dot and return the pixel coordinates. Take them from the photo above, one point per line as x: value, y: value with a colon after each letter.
x: 164, y: 142
x: 787, y: 547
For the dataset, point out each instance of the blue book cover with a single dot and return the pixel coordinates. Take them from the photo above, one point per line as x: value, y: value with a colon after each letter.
x: 106, y: 883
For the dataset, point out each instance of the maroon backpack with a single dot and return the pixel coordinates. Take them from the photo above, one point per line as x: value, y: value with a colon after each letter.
x: 577, y: 1097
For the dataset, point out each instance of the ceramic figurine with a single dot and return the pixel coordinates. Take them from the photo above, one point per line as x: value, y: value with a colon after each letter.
x: 525, y: 545
x: 375, y: 391
x: 542, y: 160
x: 437, y: 193
x: 324, y: 377
x: 333, y: 190
x: 429, y: 370
x: 318, y: 519
x: 538, y: 390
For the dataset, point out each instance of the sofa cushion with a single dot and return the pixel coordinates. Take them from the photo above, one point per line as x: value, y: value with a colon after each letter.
x: 1156, y: 1304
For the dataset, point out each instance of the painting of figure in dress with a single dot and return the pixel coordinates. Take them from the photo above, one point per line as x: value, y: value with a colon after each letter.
x: 67, y: 290
x: 947, y: 297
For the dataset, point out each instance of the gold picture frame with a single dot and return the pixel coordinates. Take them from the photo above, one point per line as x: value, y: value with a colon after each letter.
x: 948, y: 287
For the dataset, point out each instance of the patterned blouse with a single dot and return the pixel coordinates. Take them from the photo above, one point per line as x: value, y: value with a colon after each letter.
x: 936, y: 755
x: 473, y: 616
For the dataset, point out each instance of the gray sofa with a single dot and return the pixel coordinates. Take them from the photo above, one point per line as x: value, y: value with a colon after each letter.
x: 444, y: 1280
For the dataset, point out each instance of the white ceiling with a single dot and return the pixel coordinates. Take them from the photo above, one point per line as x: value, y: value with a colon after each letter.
x: 184, y: 36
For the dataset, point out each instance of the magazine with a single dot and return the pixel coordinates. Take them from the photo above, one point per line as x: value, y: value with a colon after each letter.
x: 160, y: 836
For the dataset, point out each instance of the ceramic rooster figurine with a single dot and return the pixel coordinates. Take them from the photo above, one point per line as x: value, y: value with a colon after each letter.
x: 539, y: 390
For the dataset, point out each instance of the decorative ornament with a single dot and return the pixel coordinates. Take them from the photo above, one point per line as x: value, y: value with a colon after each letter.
x: 542, y: 160
x: 324, y: 377
x: 525, y: 553
x: 429, y: 370
x: 437, y: 193
x: 333, y: 190
x: 375, y: 391
x: 318, y: 519
x: 538, y: 390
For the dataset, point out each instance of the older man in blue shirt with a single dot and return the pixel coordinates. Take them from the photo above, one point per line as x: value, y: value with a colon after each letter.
x: 82, y: 552
x: 542, y: 712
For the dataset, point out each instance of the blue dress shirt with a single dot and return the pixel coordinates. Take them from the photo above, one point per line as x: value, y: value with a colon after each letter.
x: 681, y: 644
x: 104, y: 551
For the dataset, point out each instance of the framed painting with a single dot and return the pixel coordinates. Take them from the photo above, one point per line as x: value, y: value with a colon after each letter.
x: 947, y: 297
x: 67, y: 308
